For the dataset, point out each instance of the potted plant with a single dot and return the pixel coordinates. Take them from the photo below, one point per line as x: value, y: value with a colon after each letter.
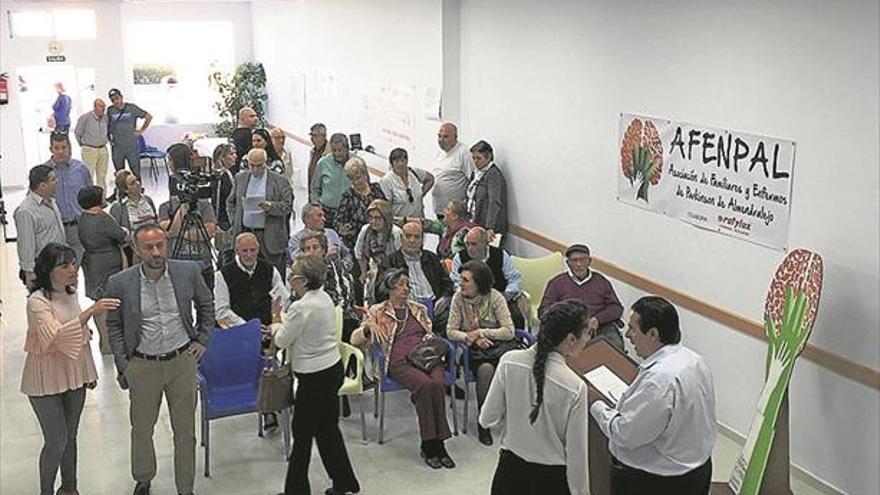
x: 246, y: 87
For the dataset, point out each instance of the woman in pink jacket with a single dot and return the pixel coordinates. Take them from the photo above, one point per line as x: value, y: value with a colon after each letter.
x: 59, y: 365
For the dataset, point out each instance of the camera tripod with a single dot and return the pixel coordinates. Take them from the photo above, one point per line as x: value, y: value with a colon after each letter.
x: 193, y: 222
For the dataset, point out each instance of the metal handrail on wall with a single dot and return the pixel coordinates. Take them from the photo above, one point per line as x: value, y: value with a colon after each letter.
x: 848, y: 368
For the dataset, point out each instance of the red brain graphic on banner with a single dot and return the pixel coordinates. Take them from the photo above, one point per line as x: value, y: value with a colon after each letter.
x: 641, y: 156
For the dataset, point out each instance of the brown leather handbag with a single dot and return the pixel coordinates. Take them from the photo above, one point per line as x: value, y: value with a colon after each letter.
x: 276, y: 389
x: 428, y: 354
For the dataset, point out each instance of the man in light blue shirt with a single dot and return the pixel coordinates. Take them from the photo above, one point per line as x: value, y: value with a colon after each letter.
x: 662, y: 429
x: 330, y: 180
x: 72, y: 176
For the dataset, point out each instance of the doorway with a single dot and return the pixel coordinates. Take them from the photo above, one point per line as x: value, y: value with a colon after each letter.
x: 36, y: 93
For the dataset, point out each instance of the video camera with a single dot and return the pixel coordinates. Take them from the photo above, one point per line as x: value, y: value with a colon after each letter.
x: 192, y: 185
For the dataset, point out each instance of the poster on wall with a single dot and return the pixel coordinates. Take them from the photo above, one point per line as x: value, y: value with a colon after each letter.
x: 385, y: 113
x: 730, y: 182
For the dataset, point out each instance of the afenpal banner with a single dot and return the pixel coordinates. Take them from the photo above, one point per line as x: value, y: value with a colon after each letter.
x: 726, y: 181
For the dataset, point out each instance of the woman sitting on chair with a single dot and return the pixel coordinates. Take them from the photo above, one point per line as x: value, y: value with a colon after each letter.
x: 398, y: 325
x: 377, y: 240
x: 479, y: 316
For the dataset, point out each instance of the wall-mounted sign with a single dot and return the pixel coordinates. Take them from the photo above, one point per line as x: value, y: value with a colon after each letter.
x: 56, y: 58
x: 730, y: 182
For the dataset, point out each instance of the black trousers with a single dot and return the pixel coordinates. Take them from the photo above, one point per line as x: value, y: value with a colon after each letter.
x: 627, y: 480
x: 316, y: 416
x: 516, y: 476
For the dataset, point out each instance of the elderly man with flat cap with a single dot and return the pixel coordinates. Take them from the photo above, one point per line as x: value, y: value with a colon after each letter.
x: 579, y: 282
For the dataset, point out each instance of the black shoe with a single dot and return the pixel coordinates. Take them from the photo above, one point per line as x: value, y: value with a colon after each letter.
x: 484, y: 435
x: 446, y: 461
x: 335, y: 491
x: 432, y: 461
x: 270, y: 421
x: 141, y: 488
x: 459, y: 392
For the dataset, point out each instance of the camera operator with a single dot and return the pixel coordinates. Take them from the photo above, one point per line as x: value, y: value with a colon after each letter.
x: 186, y: 199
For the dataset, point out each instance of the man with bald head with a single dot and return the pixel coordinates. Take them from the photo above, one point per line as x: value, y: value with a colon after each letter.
x: 248, y: 120
x: 261, y: 202
x: 452, y: 169
x: 248, y: 287
x: 428, y: 279
x: 507, y: 279
x: 91, y: 134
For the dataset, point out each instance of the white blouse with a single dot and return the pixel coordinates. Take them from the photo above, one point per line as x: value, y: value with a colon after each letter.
x: 559, y: 433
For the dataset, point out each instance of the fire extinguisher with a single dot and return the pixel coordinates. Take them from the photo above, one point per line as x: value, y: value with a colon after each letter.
x: 4, y: 89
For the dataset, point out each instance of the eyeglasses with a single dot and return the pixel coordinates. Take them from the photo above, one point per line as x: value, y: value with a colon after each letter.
x: 409, y: 194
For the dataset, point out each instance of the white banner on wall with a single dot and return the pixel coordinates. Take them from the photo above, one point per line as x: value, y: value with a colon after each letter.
x: 729, y: 182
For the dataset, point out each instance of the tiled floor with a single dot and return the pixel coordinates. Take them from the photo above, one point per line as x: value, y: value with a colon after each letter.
x: 241, y: 463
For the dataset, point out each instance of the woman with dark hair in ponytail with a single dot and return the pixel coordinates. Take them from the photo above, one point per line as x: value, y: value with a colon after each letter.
x: 541, y: 405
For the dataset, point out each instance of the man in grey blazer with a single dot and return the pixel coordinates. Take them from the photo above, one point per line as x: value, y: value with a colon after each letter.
x: 157, y: 346
x: 261, y: 203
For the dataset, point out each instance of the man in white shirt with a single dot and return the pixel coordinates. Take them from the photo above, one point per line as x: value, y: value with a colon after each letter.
x: 248, y: 288
x: 662, y: 430
x: 452, y: 170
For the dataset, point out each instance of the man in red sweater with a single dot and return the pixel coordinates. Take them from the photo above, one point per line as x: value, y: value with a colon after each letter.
x: 579, y: 282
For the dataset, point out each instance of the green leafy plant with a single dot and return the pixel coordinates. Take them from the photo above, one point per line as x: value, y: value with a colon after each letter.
x: 246, y: 87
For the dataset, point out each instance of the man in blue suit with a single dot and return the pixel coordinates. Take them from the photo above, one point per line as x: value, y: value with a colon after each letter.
x: 157, y: 346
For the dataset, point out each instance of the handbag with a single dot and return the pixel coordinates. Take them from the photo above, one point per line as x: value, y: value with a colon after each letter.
x: 428, y: 354
x: 276, y: 389
x: 497, y: 350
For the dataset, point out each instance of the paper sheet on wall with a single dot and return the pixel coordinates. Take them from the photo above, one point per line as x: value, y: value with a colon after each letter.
x: 607, y: 383
x: 433, y: 104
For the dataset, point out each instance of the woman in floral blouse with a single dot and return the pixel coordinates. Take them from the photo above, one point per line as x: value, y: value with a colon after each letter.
x: 352, y: 212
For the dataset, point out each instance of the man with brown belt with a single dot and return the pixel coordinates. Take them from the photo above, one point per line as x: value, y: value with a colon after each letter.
x: 157, y: 346
x: 91, y: 134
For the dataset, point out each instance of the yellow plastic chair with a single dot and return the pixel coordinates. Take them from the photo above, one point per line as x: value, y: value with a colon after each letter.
x: 536, y: 273
x: 354, y: 385
x: 351, y: 385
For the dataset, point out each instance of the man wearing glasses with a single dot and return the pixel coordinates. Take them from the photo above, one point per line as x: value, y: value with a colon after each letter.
x: 590, y: 287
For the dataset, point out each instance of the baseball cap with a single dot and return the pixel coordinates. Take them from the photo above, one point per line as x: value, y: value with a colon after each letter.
x: 577, y: 248
x: 114, y: 92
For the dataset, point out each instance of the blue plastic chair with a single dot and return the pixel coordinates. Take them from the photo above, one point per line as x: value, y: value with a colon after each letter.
x: 428, y: 303
x: 228, y: 378
x: 152, y: 153
x: 385, y: 384
x: 463, y: 360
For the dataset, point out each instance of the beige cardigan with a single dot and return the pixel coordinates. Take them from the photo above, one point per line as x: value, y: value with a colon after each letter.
x: 502, y: 329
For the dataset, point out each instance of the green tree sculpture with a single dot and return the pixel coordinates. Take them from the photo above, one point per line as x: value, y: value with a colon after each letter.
x: 790, y: 310
x: 246, y: 87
